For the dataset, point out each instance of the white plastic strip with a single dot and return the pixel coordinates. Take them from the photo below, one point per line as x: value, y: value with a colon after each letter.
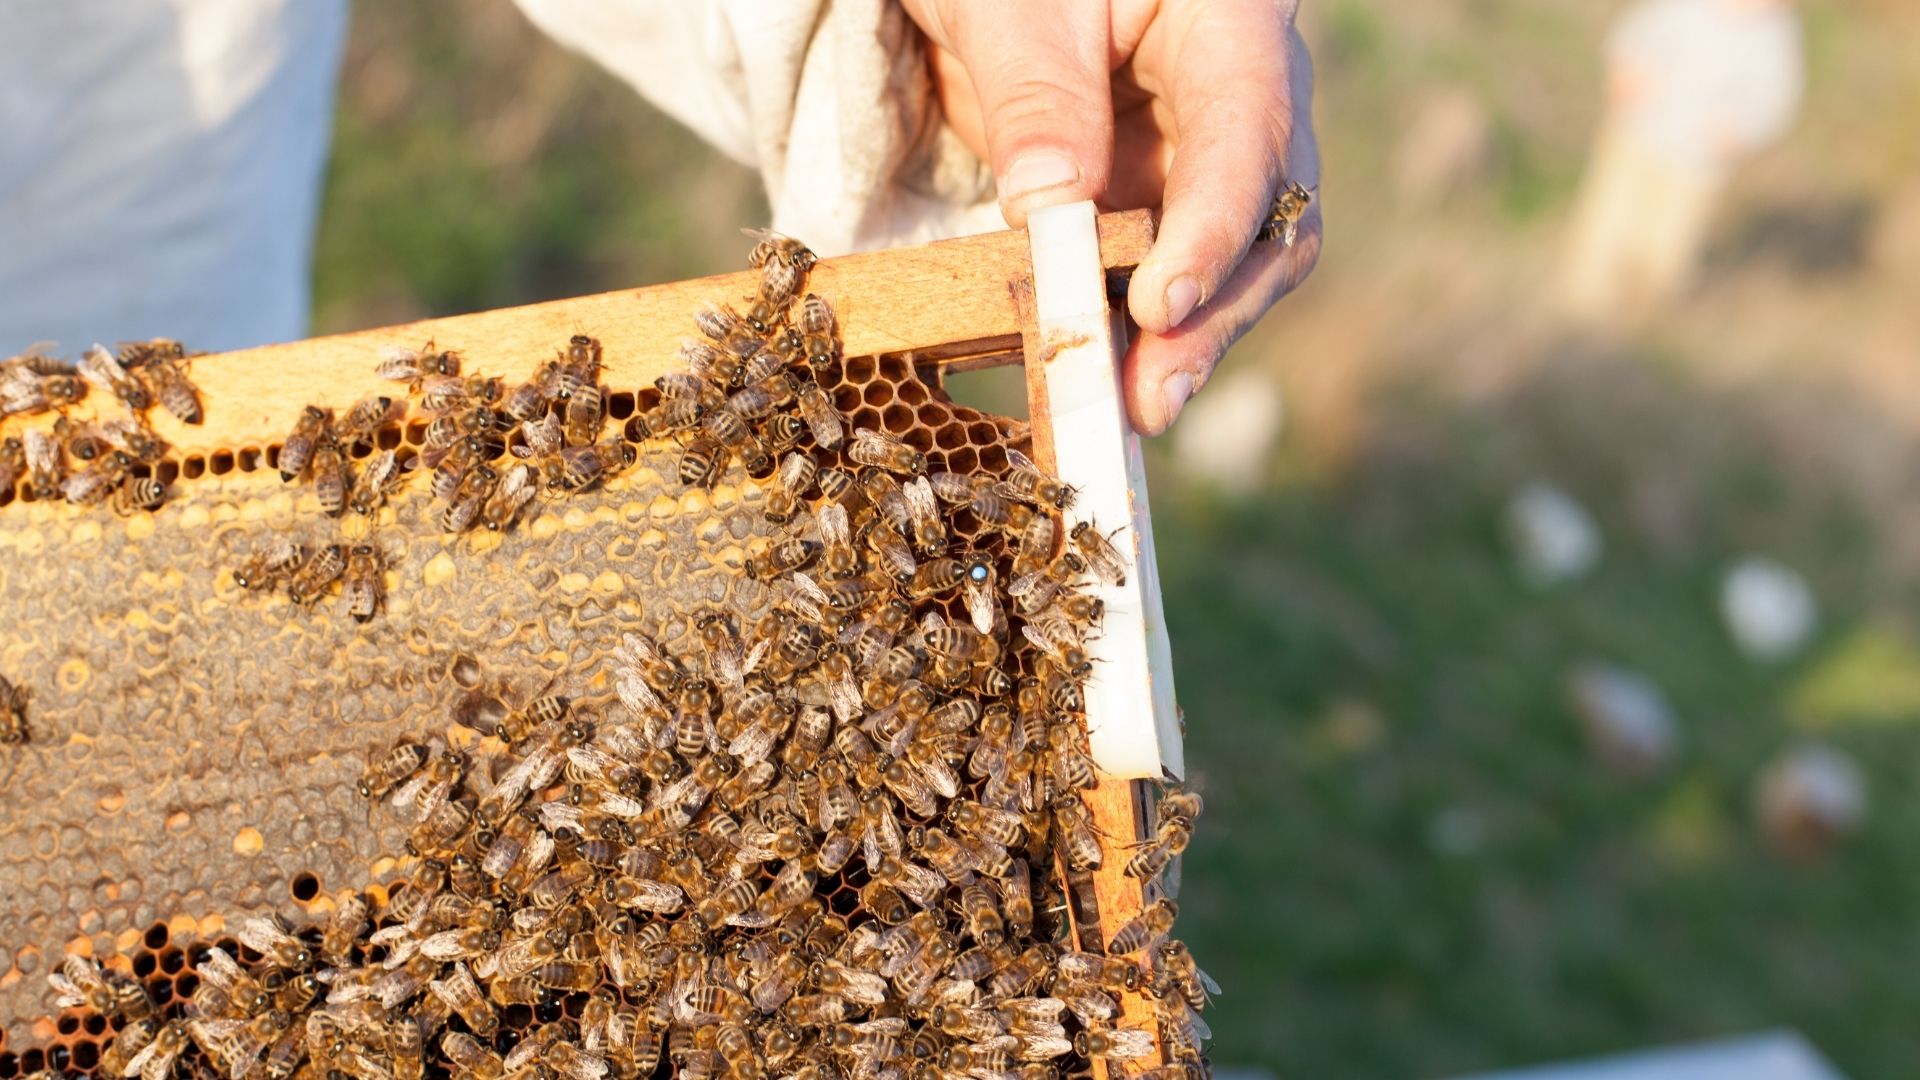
x: 1132, y: 720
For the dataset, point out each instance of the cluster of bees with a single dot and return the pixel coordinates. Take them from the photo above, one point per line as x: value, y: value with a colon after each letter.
x: 825, y: 843
x: 550, y: 425
x: 110, y: 459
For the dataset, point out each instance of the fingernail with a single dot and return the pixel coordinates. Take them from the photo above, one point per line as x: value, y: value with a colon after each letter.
x: 1174, y: 393
x: 1183, y: 295
x: 1038, y: 171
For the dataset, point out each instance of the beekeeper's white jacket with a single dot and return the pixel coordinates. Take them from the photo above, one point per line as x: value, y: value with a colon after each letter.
x: 161, y: 160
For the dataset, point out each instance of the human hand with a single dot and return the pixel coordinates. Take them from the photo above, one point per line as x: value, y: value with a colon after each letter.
x: 1200, y: 107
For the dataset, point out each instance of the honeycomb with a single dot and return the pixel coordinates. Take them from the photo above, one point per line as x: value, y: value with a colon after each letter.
x: 195, y: 748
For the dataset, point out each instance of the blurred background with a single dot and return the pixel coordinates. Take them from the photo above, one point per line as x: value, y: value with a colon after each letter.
x: 1542, y: 576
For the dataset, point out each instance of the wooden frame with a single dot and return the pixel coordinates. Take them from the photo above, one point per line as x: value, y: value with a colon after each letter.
x: 952, y: 305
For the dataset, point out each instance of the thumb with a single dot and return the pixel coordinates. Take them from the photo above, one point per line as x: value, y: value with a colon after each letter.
x: 1041, y: 77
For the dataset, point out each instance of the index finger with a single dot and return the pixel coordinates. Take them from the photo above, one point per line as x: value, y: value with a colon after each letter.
x: 1225, y: 75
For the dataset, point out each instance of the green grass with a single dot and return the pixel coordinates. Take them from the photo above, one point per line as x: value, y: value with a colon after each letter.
x: 1360, y: 668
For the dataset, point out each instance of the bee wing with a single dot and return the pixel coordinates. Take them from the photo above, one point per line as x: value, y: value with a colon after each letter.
x: 404, y: 796
x: 832, y: 522
x: 805, y: 595
x: 1040, y: 640
x: 219, y: 968
x: 559, y: 814
x: 43, y: 453
x: 545, y: 437
x: 878, y: 441
x: 919, y: 883
x: 1042, y: 1047
x: 99, y: 368
x: 983, y: 608
x: 1198, y: 1026
x: 263, y: 934
x: 657, y: 896
x: 843, y: 697
x: 445, y: 945
x: 1020, y: 461
x: 154, y: 1061
x: 570, y: 1061
x: 592, y: 760
x: 754, y: 743
x: 862, y: 986
x: 1092, y: 1008
x: 65, y: 993
x: 941, y: 777
x: 1129, y: 1043
x: 920, y: 498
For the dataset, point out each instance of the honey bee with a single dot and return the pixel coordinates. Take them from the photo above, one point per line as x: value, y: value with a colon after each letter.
x: 363, y: 420
x: 937, y: 577
x: 883, y: 682
x: 1168, y: 843
x: 1154, y: 922
x: 783, y: 557
x: 816, y: 1010
x: 1194, y: 985
x: 1079, y: 840
x: 132, y: 436
x: 674, y: 414
x: 13, y: 462
x: 330, y: 476
x: 23, y: 391
x: 1116, y: 1044
x: 792, y: 482
x: 703, y: 462
x: 510, y: 498
x: 346, y: 925
x: 317, y: 574
x: 1289, y: 207
x: 449, y: 428
x: 46, y: 464
x: 1026, y: 483
x: 879, y: 450
x: 581, y: 467
x: 380, y: 478
x: 526, y: 400
x: 128, y: 1041
x: 793, y: 884
x: 415, y: 366
x: 155, y: 1060
x: 725, y: 328
x: 307, y: 434
x: 823, y: 419
x: 441, y: 393
x: 92, y: 485
x: 170, y: 386
x: 1033, y: 592
x: 100, y: 368
x: 889, y: 547
x: 770, y: 246
x: 265, y: 935
x: 583, y: 415
x: 82, y: 982
x: 930, y: 533
x: 469, y: 498
x: 1099, y: 553
x: 1177, y: 804
x: 139, y: 493
x: 755, y: 400
x: 266, y: 568
x: 956, y: 641
x: 820, y: 343
x: 392, y: 769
